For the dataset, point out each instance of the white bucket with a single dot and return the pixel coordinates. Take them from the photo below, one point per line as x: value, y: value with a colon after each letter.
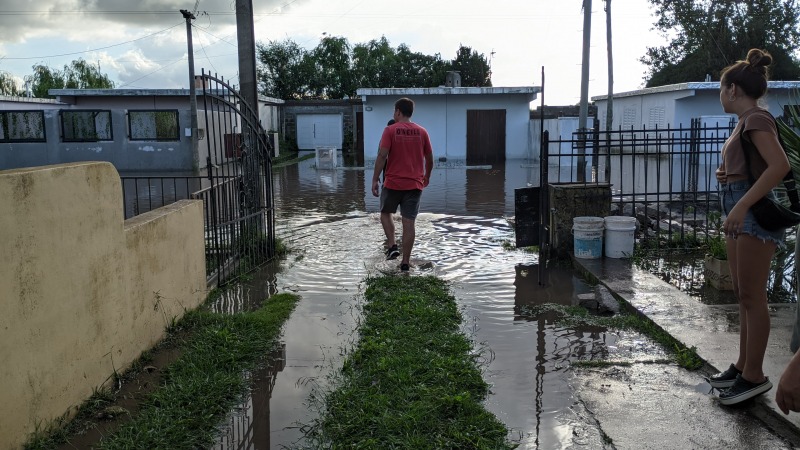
x: 588, y: 232
x: 619, y: 236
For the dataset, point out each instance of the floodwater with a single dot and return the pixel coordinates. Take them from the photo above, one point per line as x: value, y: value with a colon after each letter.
x: 331, y: 221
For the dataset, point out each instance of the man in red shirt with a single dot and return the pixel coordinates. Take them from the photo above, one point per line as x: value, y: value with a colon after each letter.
x: 409, y: 146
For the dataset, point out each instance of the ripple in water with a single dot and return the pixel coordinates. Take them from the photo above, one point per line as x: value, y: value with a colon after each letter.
x: 337, y: 244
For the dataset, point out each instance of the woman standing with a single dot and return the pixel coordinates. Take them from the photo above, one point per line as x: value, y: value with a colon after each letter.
x: 750, y: 247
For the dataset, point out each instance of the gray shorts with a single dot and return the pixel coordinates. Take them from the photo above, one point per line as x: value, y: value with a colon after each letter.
x: 732, y: 193
x: 407, y: 200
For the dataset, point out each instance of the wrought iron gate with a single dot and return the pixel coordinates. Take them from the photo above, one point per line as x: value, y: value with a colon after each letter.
x: 234, y: 182
x: 238, y: 197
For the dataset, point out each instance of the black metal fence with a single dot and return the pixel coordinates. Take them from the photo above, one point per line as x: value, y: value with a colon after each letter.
x: 663, y: 176
x: 235, y: 185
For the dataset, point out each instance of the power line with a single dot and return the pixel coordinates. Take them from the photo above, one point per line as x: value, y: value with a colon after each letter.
x: 91, y: 50
x: 79, y: 11
x: 151, y: 73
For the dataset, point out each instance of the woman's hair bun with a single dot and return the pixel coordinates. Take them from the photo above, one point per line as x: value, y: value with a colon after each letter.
x: 758, y: 58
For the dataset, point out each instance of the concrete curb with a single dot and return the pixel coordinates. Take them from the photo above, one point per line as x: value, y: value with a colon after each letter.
x: 712, y: 329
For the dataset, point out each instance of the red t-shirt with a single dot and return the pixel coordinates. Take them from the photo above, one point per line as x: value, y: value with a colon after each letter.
x: 408, y: 143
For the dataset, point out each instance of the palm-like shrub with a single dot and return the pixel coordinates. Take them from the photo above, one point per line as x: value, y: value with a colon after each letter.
x: 791, y: 143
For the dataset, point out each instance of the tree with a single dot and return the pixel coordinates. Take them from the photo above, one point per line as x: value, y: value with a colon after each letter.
x: 9, y: 84
x: 419, y: 70
x: 712, y: 34
x: 282, y: 70
x: 335, y: 69
x: 375, y: 64
x: 77, y: 75
x: 473, y: 66
x: 331, y: 62
x: 82, y: 75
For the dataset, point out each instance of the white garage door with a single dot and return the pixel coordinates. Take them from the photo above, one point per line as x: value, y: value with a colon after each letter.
x: 319, y: 130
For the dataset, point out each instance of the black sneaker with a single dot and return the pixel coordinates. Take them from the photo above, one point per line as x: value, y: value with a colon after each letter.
x: 743, y: 390
x: 404, y: 267
x: 392, y: 253
x: 724, y: 379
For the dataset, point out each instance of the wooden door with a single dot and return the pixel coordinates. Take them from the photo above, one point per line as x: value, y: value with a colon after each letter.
x: 486, y: 136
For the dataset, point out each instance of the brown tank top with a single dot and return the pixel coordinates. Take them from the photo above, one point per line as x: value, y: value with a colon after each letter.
x: 733, y: 162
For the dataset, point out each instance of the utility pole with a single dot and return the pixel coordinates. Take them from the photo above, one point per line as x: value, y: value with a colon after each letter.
x: 584, y: 106
x: 610, y: 105
x: 245, y: 36
x: 192, y: 92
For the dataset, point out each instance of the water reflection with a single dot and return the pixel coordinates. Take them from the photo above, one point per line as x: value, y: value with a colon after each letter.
x: 331, y: 220
x: 248, y: 425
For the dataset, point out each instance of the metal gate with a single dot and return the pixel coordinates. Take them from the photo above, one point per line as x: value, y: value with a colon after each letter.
x: 238, y: 197
x: 234, y: 181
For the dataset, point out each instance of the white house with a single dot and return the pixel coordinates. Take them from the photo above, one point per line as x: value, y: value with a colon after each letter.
x: 667, y: 113
x: 480, y: 125
x: 677, y: 104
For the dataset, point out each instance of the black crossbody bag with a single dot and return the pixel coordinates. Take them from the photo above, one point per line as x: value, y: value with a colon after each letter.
x: 771, y: 214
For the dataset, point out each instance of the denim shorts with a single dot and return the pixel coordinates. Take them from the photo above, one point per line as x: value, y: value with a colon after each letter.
x: 730, y: 193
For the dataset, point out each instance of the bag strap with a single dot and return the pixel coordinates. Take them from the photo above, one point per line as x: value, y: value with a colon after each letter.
x: 788, y: 179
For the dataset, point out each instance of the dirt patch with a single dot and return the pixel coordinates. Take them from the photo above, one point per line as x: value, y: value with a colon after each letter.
x: 129, y: 392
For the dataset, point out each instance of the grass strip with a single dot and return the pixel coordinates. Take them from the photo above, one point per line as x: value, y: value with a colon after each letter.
x: 413, y: 380
x: 203, y: 385
x: 290, y: 158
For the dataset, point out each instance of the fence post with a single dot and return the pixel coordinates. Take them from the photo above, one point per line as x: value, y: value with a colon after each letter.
x: 544, y: 207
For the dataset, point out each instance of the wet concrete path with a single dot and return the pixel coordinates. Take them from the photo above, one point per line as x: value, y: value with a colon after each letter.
x: 330, y: 220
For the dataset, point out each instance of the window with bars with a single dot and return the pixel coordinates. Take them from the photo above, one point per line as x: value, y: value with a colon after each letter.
x: 22, y: 126
x: 153, y: 125
x: 86, y: 126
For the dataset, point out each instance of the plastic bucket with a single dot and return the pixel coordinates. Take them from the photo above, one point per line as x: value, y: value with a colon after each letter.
x: 619, y: 236
x: 588, y: 233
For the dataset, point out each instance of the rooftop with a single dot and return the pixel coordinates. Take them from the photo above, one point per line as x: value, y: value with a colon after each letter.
x: 700, y: 85
x: 449, y: 91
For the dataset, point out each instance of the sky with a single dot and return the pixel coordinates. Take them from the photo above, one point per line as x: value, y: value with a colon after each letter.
x: 143, y: 43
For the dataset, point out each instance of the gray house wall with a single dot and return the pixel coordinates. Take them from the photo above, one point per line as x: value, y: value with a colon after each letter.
x: 125, y: 154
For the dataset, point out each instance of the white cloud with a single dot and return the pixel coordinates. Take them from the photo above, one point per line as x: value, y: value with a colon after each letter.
x: 524, y: 36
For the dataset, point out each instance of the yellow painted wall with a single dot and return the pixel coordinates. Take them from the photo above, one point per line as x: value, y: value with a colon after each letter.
x: 83, y: 292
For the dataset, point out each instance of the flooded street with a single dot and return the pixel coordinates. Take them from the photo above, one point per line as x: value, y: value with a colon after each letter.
x: 331, y: 221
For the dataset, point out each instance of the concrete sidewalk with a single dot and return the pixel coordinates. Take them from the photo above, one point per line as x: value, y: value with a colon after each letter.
x: 713, y: 330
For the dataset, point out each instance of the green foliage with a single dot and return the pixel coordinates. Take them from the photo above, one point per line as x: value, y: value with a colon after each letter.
x: 412, y: 380
x: 282, y: 72
x: 9, y: 85
x: 197, y: 390
x: 336, y: 69
x: 790, y: 134
x: 474, y: 68
x: 77, y: 75
x: 705, y: 37
x: 331, y: 68
x: 716, y: 245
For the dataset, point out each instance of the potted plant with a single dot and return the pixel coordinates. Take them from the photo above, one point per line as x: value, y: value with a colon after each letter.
x: 717, y: 271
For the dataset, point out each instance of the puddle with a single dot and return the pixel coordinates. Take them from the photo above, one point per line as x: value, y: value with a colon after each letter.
x: 686, y: 272
x: 330, y: 219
